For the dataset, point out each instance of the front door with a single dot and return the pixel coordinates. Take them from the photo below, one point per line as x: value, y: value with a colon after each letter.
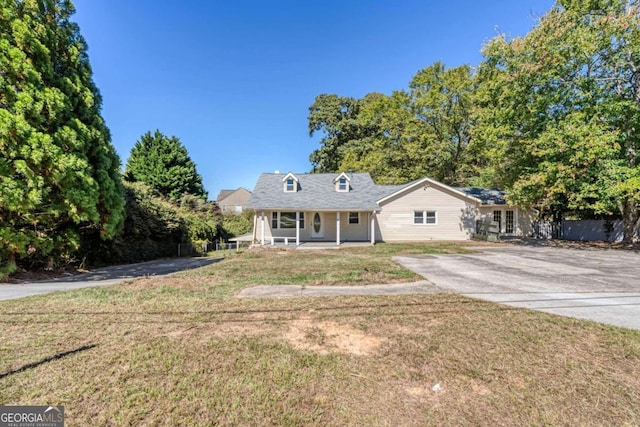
x: 317, y: 226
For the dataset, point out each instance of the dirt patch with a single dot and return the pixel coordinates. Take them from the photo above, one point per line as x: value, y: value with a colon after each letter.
x: 331, y: 337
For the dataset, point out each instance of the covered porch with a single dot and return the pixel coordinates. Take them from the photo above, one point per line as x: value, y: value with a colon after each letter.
x: 325, y: 228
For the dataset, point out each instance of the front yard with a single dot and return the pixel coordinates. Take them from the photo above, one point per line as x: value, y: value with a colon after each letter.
x: 182, y: 350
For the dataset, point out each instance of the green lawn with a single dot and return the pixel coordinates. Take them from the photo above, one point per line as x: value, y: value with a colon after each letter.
x: 182, y: 350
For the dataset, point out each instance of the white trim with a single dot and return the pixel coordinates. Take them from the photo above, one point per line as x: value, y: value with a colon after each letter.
x: 373, y: 228
x: 295, y: 183
x: 347, y: 182
x: 298, y: 228
x: 262, y: 237
x: 430, y: 182
x: 338, y: 228
x: 424, y: 217
x: 342, y: 175
x: 290, y: 175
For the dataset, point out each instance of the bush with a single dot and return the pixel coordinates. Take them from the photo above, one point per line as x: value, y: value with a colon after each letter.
x: 154, y: 227
x: 236, y: 225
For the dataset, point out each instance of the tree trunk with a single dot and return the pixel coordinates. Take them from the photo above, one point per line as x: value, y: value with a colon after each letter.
x: 630, y: 221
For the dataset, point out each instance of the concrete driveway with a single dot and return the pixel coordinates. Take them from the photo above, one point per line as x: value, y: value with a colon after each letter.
x: 102, y: 276
x: 600, y: 285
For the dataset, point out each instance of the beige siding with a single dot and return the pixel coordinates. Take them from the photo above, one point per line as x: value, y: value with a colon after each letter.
x: 523, y: 218
x: 237, y: 198
x: 455, y: 216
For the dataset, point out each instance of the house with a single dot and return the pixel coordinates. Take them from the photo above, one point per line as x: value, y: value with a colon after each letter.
x: 343, y: 207
x: 233, y: 200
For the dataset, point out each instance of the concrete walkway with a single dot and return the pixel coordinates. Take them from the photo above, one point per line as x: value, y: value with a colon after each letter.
x: 102, y: 277
x: 291, y: 291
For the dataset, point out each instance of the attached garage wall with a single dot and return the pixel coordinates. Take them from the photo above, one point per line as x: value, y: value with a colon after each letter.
x: 456, y: 216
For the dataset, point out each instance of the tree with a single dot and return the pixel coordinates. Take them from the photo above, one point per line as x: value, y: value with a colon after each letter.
x: 163, y: 163
x: 59, y: 173
x: 442, y: 99
x: 563, y: 106
x: 394, y: 150
x: 425, y: 131
x: 336, y: 117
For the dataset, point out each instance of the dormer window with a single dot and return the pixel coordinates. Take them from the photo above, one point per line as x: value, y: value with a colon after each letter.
x: 342, y: 183
x: 290, y: 183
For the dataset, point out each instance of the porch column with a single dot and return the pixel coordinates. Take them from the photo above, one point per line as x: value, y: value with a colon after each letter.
x: 373, y: 228
x: 297, y: 228
x: 262, y: 232
x: 337, y: 228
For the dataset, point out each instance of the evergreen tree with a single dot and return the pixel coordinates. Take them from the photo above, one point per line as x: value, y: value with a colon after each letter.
x: 59, y: 173
x: 163, y: 163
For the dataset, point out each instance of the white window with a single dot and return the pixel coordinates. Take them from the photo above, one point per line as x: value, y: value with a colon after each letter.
x: 354, y: 217
x: 425, y: 217
x: 286, y: 220
x: 290, y: 185
x: 342, y: 184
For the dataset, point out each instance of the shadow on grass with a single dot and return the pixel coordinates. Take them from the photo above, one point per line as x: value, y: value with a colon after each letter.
x: 47, y: 360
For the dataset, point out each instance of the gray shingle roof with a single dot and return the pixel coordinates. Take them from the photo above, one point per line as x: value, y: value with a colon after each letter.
x: 489, y: 196
x: 317, y: 191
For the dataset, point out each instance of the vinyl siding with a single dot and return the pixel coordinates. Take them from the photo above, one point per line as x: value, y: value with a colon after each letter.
x: 455, y: 216
x: 523, y: 218
x: 237, y: 198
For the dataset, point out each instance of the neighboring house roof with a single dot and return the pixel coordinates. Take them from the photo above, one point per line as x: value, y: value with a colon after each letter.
x: 315, y: 192
x: 488, y: 196
x: 224, y: 194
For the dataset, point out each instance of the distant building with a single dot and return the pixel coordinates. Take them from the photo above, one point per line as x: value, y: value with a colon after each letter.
x: 233, y: 200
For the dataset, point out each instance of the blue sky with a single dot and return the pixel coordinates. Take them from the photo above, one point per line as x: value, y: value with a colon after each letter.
x: 234, y: 79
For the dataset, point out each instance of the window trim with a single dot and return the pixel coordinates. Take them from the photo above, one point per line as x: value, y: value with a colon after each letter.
x: 343, y: 185
x: 357, y: 218
x: 290, y: 185
x: 290, y: 188
x: 425, y: 217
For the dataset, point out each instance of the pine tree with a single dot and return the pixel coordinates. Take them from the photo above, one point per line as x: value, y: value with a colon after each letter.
x: 59, y: 173
x: 163, y: 163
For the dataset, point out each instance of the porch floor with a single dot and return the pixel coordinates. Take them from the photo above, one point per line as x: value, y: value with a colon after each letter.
x: 315, y: 245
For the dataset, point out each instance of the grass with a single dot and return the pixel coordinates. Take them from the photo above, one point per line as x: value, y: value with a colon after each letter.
x: 183, y: 351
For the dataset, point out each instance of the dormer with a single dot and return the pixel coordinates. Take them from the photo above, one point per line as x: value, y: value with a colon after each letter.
x: 290, y: 183
x: 342, y: 183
